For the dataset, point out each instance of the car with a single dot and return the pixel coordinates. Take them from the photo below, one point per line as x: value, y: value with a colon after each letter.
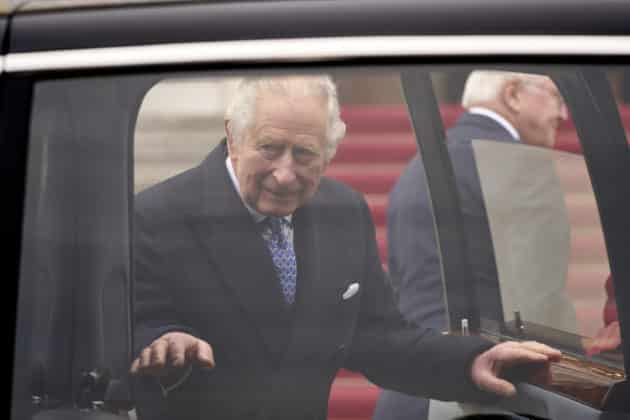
x: 102, y: 99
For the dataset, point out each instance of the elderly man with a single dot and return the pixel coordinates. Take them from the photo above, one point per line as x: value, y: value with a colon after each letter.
x: 257, y: 279
x: 506, y: 108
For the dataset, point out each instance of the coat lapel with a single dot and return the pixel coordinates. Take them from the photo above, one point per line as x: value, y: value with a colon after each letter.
x: 236, y: 248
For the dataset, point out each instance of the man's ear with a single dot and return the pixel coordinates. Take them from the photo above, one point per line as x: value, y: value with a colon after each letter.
x: 510, y: 96
x: 326, y: 162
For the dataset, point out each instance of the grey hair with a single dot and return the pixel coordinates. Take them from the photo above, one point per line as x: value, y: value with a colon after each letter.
x: 240, y: 112
x: 485, y: 85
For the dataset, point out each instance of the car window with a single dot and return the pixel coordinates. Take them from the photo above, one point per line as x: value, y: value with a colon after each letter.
x: 181, y: 121
x: 533, y: 234
x: 534, y: 237
x: 528, y: 234
x: 100, y: 143
x: 97, y: 143
x: 75, y: 263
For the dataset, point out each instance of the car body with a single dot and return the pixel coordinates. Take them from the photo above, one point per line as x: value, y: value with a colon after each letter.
x: 96, y: 95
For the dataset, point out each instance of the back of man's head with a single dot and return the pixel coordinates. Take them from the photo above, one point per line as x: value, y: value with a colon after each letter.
x: 531, y: 103
x: 484, y: 86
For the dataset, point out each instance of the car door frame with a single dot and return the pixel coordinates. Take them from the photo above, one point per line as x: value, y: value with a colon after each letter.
x: 23, y: 67
x: 590, y: 100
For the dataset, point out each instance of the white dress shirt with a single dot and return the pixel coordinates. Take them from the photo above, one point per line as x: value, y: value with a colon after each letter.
x: 258, y: 217
x: 498, y: 118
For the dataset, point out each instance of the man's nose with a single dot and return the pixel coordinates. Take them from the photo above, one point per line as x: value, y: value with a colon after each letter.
x: 284, y: 172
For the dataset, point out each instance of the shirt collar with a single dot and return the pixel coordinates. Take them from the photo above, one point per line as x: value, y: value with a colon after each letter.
x: 258, y: 217
x: 498, y: 118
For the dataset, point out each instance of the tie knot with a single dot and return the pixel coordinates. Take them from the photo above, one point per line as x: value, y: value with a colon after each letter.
x: 275, y: 224
x: 276, y: 228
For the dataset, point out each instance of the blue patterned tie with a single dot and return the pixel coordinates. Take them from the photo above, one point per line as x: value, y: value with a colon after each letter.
x: 281, y: 248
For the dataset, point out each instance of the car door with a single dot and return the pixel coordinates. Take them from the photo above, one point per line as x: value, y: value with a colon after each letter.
x: 557, y: 229
x: 73, y: 102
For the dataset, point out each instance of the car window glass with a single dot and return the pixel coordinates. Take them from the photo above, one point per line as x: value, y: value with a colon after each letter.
x: 98, y: 143
x: 535, y: 244
x: 76, y: 247
x: 181, y: 121
x: 91, y: 137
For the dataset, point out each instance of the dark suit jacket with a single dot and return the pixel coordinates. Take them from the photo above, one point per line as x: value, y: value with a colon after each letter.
x: 201, y: 266
x: 413, y: 258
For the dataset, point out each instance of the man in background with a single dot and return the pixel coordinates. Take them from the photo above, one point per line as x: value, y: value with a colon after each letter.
x: 503, y: 107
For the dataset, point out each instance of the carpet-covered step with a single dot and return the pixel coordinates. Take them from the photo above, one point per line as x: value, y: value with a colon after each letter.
x: 587, y: 246
x: 345, y: 373
x: 380, y: 177
x: 352, y: 398
x: 376, y: 118
x: 582, y: 209
x: 590, y: 317
x: 586, y: 280
x: 380, y: 119
x: 376, y: 148
x: 401, y: 147
x: 378, y: 208
x: 368, y: 179
x: 389, y: 118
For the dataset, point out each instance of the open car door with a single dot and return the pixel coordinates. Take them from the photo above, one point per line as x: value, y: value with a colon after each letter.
x: 558, y: 228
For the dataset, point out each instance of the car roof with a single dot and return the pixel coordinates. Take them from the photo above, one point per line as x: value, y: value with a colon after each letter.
x: 24, y: 6
x: 577, y: 11
x: 112, y: 23
x: 20, y: 6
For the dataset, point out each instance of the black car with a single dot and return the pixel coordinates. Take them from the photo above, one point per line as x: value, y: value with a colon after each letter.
x: 102, y: 99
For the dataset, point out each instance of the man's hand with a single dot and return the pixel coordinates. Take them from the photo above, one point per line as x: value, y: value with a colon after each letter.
x: 170, y: 353
x: 488, y: 367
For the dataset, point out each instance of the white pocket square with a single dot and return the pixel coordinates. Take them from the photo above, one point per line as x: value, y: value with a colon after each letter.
x: 350, y: 291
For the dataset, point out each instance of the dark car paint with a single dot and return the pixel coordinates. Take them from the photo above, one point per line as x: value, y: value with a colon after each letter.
x: 221, y: 21
x: 3, y: 34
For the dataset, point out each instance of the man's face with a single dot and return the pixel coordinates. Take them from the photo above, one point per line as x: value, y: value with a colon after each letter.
x: 541, y: 111
x: 281, y: 158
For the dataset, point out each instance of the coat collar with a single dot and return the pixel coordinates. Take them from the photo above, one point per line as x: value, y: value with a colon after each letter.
x: 483, y: 125
x: 498, y: 118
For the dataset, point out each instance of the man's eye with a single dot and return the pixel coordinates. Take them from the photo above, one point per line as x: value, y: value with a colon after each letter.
x: 305, y: 156
x: 269, y: 148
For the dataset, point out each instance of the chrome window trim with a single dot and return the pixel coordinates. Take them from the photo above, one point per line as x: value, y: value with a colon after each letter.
x: 317, y: 49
